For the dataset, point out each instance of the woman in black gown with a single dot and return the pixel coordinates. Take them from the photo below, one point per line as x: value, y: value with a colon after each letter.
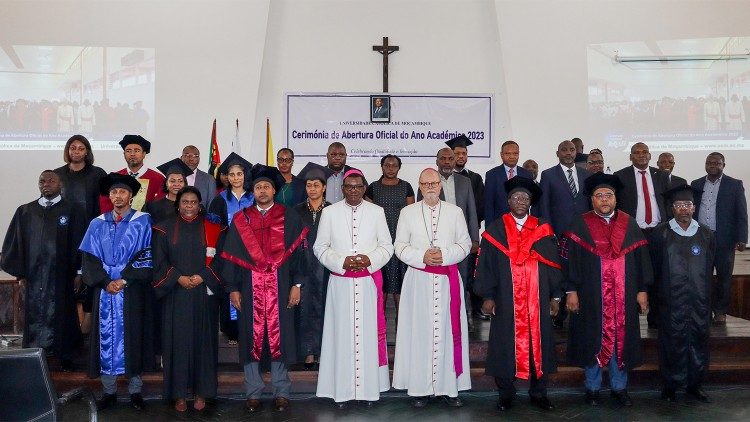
x: 312, y: 304
x: 184, y: 246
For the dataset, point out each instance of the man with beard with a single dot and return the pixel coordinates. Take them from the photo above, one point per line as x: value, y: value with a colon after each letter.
x: 434, y: 322
x: 518, y: 275
x: 40, y: 249
x: 354, y: 244
x: 460, y: 145
x: 117, y: 254
x: 608, y: 271
x: 135, y: 149
x: 683, y: 263
x: 263, y: 267
x: 336, y: 157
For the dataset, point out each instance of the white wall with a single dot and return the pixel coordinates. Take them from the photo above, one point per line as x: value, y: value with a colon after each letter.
x: 225, y: 59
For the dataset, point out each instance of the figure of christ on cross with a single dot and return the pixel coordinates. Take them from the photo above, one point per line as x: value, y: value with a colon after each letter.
x: 385, y: 50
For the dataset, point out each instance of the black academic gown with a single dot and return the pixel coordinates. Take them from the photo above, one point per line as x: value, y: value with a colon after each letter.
x: 41, y: 246
x: 683, y: 267
x: 160, y: 210
x: 311, y: 309
x: 190, y: 324
x: 238, y: 278
x: 82, y: 188
x: 494, y: 281
x: 583, y: 269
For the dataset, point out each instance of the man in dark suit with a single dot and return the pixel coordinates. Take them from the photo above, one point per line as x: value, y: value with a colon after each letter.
x: 563, y: 198
x: 642, y: 198
x: 336, y: 157
x: 723, y: 208
x: 495, y: 197
x: 203, y: 181
x: 460, y: 146
x: 665, y: 163
x: 380, y: 108
x: 456, y: 189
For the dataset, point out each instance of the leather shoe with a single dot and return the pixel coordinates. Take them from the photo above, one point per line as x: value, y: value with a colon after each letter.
x: 453, y: 401
x: 107, y: 401
x: 67, y: 365
x: 504, y: 404
x: 698, y: 394
x: 281, y: 404
x: 136, y: 401
x: 252, y: 405
x: 622, y: 397
x: 369, y: 403
x: 592, y: 398
x: 419, y: 402
x: 480, y: 315
x: 720, y: 319
x: 669, y: 395
x: 342, y: 405
x: 542, y: 403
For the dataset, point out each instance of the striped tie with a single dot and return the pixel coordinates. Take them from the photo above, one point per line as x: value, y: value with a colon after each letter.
x: 572, y: 183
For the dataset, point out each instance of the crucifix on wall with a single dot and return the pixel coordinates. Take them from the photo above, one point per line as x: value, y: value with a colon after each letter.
x: 385, y: 50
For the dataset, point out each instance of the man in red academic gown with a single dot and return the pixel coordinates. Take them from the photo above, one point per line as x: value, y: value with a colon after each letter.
x: 518, y: 275
x: 263, y: 268
x: 135, y: 148
x: 608, y: 271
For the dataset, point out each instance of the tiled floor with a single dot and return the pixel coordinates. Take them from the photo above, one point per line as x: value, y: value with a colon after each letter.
x: 729, y: 403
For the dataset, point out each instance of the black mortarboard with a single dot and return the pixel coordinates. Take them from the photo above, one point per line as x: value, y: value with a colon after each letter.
x: 137, y: 140
x: 459, y: 141
x: 235, y: 159
x: 175, y: 166
x: 681, y: 193
x: 269, y: 174
x: 313, y: 171
x: 599, y: 179
x: 524, y: 184
x: 117, y: 180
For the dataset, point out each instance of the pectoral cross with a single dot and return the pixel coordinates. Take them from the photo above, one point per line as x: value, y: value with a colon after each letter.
x: 385, y: 50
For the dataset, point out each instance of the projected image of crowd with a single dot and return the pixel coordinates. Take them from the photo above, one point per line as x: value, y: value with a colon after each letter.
x: 50, y: 118
x: 709, y: 113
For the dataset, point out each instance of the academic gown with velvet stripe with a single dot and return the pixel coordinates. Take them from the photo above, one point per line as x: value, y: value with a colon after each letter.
x: 494, y: 281
x: 189, y: 323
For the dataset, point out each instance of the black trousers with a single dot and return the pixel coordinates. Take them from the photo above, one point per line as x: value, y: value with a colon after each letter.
x: 653, y: 290
x: 722, y: 289
x: 537, y: 386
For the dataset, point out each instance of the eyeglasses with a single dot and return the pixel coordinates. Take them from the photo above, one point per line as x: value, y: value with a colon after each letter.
x: 682, y: 205
x: 429, y: 184
x: 353, y: 187
x: 601, y: 195
x: 284, y: 160
x: 520, y: 198
x: 191, y: 156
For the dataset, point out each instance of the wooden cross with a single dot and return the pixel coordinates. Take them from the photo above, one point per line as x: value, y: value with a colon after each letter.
x: 385, y: 50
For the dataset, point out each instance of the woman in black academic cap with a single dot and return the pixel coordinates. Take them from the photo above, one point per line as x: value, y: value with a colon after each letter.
x: 221, y: 210
x: 312, y: 305
x: 175, y: 178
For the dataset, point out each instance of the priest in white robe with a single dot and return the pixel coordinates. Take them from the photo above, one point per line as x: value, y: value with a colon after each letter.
x: 432, y: 344
x: 353, y: 243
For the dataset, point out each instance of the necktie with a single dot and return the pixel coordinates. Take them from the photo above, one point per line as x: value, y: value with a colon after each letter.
x: 48, y: 204
x: 263, y: 212
x: 511, y: 172
x: 118, y: 218
x: 646, y: 196
x: 572, y: 183
x: 133, y: 174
